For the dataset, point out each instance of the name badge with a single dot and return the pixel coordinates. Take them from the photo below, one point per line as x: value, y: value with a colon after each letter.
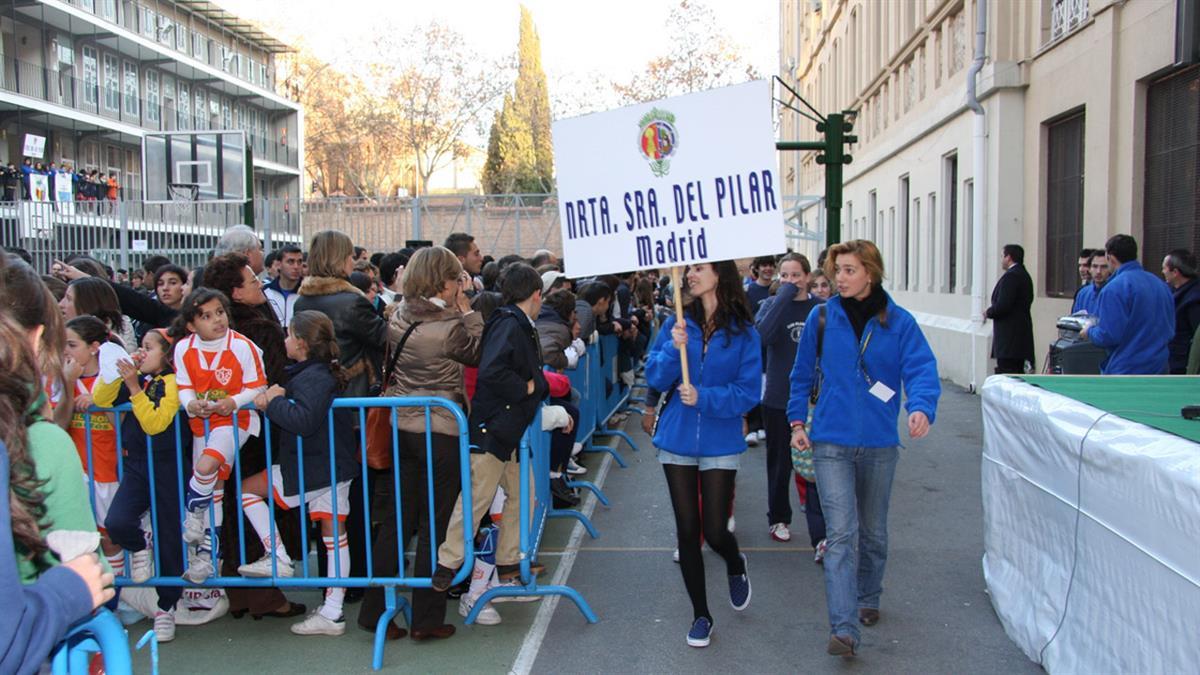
x: 882, y: 392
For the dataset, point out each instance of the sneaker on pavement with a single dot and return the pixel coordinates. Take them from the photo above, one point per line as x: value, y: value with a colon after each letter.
x: 164, y: 626
x: 575, y: 469
x: 732, y: 524
x: 819, y: 552
x: 318, y: 624
x: 261, y: 568
x: 752, y: 439
x: 762, y: 434
x: 701, y: 633
x: 488, y: 616
x: 675, y: 555
x: 515, y: 583
x: 780, y: 532
x: 739, y: 587
x: 142, y: 567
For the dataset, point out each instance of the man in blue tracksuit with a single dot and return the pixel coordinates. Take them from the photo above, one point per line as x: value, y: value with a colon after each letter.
x: 1137, y: 315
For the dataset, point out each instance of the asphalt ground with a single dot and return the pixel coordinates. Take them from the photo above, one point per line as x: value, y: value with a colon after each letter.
x: 936, y: 616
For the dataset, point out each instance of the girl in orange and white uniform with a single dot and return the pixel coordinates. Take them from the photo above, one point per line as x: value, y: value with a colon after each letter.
x: 218, y: 371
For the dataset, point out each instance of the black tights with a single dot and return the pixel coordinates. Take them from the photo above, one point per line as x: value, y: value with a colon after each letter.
x: 693, y: 490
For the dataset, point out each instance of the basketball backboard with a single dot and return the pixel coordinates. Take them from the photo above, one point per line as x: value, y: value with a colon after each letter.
x: 198, y: 166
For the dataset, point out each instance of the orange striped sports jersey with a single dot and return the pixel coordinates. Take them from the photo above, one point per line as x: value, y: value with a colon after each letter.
x: 220, y: 369
x: 103, y: 433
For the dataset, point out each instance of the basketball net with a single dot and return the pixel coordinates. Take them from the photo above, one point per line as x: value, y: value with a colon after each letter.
x: 183, y: 196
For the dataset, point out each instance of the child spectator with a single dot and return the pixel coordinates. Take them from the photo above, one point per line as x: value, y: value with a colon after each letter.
x: 218, y: 371
x: 91, y: 376
x: 301, y: 411
x: 150, y: 462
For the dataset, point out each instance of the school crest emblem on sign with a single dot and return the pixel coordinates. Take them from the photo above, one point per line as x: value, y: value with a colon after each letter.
x: 224, y: 375
x: 658, y: 140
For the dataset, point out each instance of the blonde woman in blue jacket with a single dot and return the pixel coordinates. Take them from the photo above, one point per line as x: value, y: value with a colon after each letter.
x: 870, y: 349
x: 699, y: 435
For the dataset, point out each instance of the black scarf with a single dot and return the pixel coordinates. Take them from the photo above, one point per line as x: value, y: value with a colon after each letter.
x: 859, y: 312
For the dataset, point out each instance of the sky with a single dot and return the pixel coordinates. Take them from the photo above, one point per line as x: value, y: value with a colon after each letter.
x: 582, y: 42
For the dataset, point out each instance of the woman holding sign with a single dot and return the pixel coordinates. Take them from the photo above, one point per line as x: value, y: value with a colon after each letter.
x: 856, y: 352
x: 709, y: 363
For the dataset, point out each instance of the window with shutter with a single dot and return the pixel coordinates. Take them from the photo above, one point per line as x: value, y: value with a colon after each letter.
x: 1064, y: 204
x: 1170, y: 211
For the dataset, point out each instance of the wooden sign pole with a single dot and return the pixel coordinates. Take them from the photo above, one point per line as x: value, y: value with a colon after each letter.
x: 678, y: 291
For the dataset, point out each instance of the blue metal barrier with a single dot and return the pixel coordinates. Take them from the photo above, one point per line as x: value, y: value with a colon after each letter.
x: 101, y: 633
x: 610, y: 394
x: 534, y: 454
x: 588, y: 379
x: 393, y: 602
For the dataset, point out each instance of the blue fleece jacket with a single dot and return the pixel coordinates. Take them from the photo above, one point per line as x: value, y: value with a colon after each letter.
x: 1088, y: 299
x: 847, y: 413
x: 728, y: 379
x: 36, y: 616
x: 1137, y: 321
x: 780, y: 322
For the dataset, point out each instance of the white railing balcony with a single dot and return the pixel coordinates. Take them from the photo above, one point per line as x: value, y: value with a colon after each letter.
x: 1066, y: 16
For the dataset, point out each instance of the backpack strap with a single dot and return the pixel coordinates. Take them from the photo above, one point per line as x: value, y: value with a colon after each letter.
x: 387, y: 374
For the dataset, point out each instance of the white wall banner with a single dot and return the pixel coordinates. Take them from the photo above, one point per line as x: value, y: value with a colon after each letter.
x: 35, y: 146
x: 686, y: 179
x: 63, y: 193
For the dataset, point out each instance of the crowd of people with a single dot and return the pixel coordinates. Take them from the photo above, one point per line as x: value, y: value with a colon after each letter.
x: 86, y: 186
x: 1145, y: 324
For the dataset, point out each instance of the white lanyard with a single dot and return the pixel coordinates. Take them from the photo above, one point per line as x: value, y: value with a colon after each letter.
x: 216, y: 359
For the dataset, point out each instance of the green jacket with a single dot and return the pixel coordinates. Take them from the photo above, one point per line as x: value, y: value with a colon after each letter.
x: 67, y: 506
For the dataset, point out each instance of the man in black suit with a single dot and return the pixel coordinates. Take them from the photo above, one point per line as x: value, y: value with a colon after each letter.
x: 1012, y: 336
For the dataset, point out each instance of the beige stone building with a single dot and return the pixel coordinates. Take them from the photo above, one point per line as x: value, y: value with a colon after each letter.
x: 1091, y: 130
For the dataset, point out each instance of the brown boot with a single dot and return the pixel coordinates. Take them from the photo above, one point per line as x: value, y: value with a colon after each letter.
x: 868, y: 616
x: 841, y: 645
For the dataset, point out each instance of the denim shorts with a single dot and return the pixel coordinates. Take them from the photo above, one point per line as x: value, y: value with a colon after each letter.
x: 726, y: 462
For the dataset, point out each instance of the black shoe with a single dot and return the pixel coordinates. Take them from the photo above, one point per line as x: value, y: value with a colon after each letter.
x: 459, y: 590
x: 443, y: 578
x: 562, y: 493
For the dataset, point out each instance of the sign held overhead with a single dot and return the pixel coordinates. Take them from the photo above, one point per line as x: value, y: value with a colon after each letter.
x: 672, y: 182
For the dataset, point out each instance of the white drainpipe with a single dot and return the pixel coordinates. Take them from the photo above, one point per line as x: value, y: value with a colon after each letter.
x: 979, y: 173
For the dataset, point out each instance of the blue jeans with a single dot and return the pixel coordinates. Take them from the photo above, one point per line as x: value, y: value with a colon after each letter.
x: 855, y: 485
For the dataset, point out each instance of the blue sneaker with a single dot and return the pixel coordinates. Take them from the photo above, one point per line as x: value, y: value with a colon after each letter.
x: 194, y: 501
x: 701, y: 632
x: 739, y: 588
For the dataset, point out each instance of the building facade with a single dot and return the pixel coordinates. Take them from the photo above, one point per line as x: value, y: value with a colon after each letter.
x: 1091, y: 130
x: 93, y: 76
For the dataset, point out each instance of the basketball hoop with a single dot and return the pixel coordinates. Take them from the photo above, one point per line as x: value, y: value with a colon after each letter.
x: 183, y: 196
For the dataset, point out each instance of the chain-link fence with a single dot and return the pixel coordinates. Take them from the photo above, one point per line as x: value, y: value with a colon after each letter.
x: 124, y: 233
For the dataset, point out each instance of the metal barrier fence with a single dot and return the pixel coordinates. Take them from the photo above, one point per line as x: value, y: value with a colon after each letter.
x: 101, y: 633
x: 123, y: 233
x: 393, y: 603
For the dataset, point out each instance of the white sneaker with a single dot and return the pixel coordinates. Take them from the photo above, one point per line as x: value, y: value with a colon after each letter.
x: 762, y: 434
x: 752, y: 439
x: 318, y: 624
x: 575, y: 469
x: 261, y: 568
x: 143, y: 567
x: 164, y: 626
x: 488, y: 616
x: 819, y: 552
x: 780, y: 532
x: 675, y: 555
x: 515, y: 583
x: 200, y: 567
x: 194, y: 525
x: 732, y: 523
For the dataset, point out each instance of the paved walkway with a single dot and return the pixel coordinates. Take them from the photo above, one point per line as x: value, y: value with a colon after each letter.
x: 936, y: 613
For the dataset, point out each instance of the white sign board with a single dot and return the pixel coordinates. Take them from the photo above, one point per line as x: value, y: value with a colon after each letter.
x: 681, y: 180
x: 140, y: 245
x: 63, y: 193
x: 35, y: 146
x: 39, y: 187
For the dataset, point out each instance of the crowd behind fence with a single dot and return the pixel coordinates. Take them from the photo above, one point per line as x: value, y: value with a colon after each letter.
x: 124, y: 233
x: 602, y: 394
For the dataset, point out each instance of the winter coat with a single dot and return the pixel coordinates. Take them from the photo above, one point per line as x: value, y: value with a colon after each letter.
x: 554, y: 335
x: 1137, y: 321
x: 1187, y: 320
x: 502, y: 408
x: 303, y: 413
x: 264, y: 331
x: 432, y: 361
x: 282, y: 302
x: 728, y: 378
x: 361, y: 333
x: 586, y: 318
x: 1012, y: 332
x: 896, y: 355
